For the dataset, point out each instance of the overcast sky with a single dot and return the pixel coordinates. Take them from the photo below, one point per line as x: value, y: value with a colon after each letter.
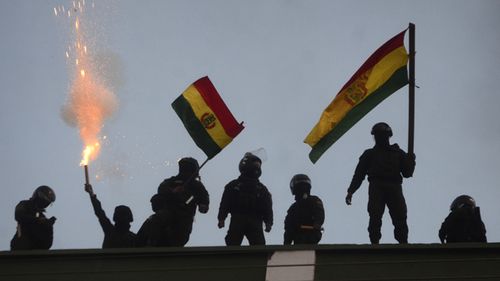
x: 277, y: 65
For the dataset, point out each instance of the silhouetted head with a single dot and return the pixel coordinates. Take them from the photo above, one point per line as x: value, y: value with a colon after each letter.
x: 123, y: 215
x: 463, y: 201
x: 300, y: 185
x: 43, y: 196
x: 381, y: 132
x: 188, y: 167
x: 250, y: 166
x: 157, y: 202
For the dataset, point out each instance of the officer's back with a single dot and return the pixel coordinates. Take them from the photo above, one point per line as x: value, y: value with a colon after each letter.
x: 464, y: 223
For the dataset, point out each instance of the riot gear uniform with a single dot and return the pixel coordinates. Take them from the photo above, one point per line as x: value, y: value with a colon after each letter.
x: 182, y: 194
x: 249, y: 203
x: 305, y: 217
x: 385, y: 165
x: 116, y: 235
x: 34, y: 230
x: 464, y: 223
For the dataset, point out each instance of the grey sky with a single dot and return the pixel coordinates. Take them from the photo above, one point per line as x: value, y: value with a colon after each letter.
x: 277, y: 65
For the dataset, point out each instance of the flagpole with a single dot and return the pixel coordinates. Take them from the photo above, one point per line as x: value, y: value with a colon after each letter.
x: 192, y: 177
x: 411, y: 90
x: 203, y: 164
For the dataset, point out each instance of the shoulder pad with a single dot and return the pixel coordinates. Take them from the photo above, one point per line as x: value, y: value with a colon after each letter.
x: 367, y: 152
x: 316, y: 199
x: 262, y: 187
x: 169, y: 180
x: 232, y: 184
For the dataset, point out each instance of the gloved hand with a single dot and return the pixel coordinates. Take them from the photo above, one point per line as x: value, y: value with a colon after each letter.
x: 268, y: 227
x: 203, y: 208
x: 88, y: 189
x: 412, y: 156
x: 51, y: 221
x: 220, y: 224
x: 348, y: 198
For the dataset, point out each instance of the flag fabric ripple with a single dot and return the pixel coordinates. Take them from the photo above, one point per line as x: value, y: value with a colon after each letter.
x: 206, y: 117
x: 382, y: 74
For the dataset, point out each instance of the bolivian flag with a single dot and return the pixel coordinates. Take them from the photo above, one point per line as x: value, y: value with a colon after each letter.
x: 206, y: 117
x: 381, y: 75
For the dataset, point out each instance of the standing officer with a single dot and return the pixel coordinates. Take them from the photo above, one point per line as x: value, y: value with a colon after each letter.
x: 119, y: 234
x: 385, y: 165
x: 249, y: 203
x: 464, y: 223
x: 304, y: 219
x: 182, y: 194
x: 34, y: 230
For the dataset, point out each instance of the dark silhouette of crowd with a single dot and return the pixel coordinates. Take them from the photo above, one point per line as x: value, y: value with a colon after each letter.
x: 249, y: 204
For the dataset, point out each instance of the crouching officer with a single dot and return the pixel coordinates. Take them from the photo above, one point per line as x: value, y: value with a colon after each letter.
x: 464, y: 223
x: 116, y: 235
x: 34, y: 230
x: 385, y: 165
x: 305, y: 218
x: 182, y: 194
x: 249, y: 203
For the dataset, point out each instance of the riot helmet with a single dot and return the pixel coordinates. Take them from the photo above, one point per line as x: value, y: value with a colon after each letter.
x: 300, y: 184
x: 188, y: 167
x: 122, y: 215
x: 250, y: 165
x: 157, y: 202
x: 43, y: 196
x: 463, y: 201
x: 381, y: 129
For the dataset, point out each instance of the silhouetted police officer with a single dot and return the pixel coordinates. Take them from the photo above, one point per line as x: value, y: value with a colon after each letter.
x: 156, y: 231
x: 119, y: 234
x: 249, y: 203
x: 385, y: 165
x: 34, y: 230
x: 183, y: 193
x: 305, y: 217
x: 464, y: 223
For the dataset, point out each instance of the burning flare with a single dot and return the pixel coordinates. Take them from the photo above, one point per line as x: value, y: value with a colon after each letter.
x: 90, y: 103
x: 90, y: 150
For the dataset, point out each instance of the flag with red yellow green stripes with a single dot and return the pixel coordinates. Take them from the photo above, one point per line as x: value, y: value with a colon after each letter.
x: 381, y: 75
x: 206, y: 117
